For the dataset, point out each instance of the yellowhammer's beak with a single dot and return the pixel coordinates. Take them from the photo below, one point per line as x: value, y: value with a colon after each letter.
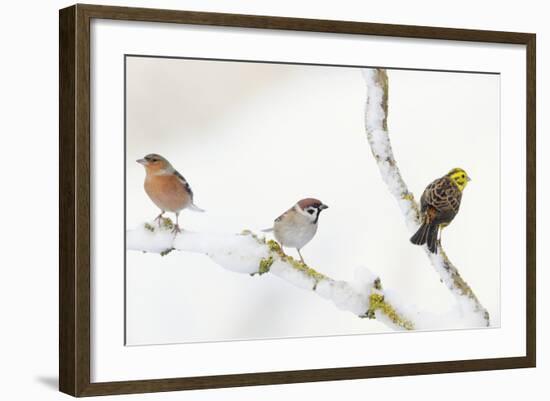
x: 468, y: 178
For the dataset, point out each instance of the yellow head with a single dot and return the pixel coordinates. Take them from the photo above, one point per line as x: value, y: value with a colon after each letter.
x: 459, y: 177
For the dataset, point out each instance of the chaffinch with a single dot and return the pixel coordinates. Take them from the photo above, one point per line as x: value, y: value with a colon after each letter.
x: 167, y: 188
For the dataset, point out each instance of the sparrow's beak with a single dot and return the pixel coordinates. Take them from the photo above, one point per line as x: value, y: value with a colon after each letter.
x: 142, y: 161
x: 323, y: 206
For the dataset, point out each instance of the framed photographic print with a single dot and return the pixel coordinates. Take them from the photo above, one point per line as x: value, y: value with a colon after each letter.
x: 250, y: 200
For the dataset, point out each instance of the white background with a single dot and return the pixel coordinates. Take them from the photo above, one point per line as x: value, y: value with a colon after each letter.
x: 300, y: 133
x: 29, y: 290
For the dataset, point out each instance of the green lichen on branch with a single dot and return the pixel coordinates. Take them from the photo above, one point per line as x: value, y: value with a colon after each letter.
x: 408, y: 196
x: 275, y: 250
x: 296, y: 264
x: 378, y: 302
x: 166, y: 223
x: 382, y: 79
x: 460, y: 284
x: 265, y: 265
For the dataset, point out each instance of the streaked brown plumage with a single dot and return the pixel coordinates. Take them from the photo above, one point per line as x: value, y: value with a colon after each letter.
x: 439, y: 205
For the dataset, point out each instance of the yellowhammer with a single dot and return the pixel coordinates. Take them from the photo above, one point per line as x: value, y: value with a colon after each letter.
x: 439, y: 205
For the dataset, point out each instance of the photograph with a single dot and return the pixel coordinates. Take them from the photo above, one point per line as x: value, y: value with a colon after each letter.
x: 268, y: 200
x: 259, y: 199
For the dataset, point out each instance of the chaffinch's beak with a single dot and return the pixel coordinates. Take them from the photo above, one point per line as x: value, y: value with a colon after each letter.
x: 142, y: 161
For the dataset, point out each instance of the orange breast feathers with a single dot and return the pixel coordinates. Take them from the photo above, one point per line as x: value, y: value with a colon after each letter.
x: 167, y: 192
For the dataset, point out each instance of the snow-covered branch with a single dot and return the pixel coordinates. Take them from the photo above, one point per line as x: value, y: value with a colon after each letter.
x: 249, y: 254
x: 376, y: 114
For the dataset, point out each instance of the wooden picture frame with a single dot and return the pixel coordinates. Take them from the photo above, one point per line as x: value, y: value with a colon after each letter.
x: 75, y: 208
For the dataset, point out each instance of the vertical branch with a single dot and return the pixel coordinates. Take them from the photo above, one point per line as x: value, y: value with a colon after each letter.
x: 376, y: 125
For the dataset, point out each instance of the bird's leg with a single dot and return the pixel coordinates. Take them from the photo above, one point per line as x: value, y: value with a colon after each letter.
x: 176, y: 228
x: 159, y: 217
x: 301, y: 258
x: 439, y: 235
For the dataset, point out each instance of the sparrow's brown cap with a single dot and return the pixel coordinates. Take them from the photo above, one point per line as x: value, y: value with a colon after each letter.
x: 311, y: 202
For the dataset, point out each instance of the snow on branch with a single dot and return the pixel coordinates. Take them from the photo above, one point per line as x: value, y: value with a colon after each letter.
x: 249, y: 254
x: 376, y: 115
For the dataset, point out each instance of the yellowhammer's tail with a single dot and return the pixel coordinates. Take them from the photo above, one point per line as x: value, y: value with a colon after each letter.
x: 426, y: 234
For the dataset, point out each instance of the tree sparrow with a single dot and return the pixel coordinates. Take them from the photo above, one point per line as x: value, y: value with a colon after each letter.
x: 297, y: 226
x: 166, y: 187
